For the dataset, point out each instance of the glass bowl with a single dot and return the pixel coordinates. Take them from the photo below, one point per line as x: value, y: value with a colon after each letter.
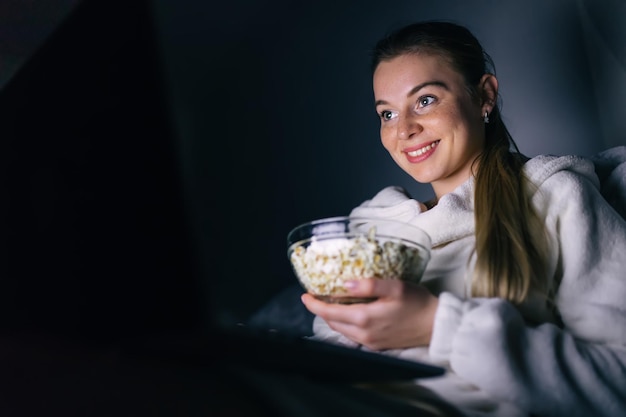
x: 327, y: 252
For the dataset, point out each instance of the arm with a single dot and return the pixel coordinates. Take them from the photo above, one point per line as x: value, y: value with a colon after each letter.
x: 544, y: 369
x: 577, y: 370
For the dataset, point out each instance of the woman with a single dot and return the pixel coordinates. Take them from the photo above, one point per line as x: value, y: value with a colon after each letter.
x: 524, y: 296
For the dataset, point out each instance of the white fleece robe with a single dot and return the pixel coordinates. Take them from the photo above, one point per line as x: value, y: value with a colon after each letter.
x: 508, y: 361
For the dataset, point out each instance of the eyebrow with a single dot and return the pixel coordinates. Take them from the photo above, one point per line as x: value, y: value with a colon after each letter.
x: 416, y: 89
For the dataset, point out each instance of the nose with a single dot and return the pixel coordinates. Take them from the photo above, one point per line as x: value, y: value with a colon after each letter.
x: 407, y: 126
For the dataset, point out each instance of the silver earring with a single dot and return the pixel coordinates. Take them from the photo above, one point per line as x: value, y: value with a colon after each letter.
x: 486, y: 117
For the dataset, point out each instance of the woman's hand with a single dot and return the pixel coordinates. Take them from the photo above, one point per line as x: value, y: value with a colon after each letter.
x: 402, y: 316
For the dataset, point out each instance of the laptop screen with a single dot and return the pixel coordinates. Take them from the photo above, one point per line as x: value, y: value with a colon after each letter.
x: 135, y: 214
x: 133, y: 205
x: 97, y: 234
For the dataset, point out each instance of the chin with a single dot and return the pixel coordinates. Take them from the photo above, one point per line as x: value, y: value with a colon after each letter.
x: 421, y: 176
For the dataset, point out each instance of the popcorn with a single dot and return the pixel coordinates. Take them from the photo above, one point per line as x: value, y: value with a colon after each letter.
x: 326, y: 263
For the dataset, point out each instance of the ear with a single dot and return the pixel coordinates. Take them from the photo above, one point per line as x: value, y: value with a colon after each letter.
x: 489, y: 92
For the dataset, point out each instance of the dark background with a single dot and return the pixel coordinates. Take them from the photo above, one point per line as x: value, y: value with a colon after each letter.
x: 277, y: 99
x: 272, y: 124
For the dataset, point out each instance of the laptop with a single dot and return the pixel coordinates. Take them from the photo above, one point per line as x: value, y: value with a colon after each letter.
x: 128, y: 224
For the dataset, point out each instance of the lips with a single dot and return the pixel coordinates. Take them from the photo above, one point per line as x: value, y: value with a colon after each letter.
x: 421, y: 151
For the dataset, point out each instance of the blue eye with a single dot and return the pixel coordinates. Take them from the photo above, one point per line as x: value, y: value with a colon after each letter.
x: 387, y: 115
x: 426, y: 101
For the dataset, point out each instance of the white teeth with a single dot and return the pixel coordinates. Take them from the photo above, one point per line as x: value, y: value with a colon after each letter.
x: 426, y: 148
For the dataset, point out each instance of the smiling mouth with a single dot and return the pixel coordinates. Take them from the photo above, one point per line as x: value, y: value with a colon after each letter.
x: 421, y: 151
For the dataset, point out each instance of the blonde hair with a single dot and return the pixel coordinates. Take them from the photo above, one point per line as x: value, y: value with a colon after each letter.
x: 510, y: 236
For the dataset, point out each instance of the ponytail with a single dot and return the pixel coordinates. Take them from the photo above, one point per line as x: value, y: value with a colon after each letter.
x: 510, y: 238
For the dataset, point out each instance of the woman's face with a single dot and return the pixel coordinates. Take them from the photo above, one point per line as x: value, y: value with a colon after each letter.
x: 430, y: 125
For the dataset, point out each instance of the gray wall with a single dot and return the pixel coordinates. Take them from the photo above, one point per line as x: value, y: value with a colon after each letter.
x: 605, y: 45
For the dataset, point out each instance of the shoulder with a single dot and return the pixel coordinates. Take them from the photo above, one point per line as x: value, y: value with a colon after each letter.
x: 563, y: 184
x: 543, y: 170
x: 603, y: 174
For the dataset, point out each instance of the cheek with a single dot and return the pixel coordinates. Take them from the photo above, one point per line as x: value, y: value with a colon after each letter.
x: 470, y: 113
x: 445, y: 119
x: 386, y: 138
x: 453, y: 123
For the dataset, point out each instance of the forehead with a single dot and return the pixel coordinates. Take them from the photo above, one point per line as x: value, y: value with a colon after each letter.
x: 408, y: 70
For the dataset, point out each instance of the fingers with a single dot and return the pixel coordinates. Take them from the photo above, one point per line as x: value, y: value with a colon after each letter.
x: 329, y: 311
x: 311, y: 303
x: 355, y: 313
x: 343, y: 318
x: 374, y: 288
x: 365, y: 288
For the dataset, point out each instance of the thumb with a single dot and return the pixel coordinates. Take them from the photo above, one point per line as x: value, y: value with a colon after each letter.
x: 372, y: 287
